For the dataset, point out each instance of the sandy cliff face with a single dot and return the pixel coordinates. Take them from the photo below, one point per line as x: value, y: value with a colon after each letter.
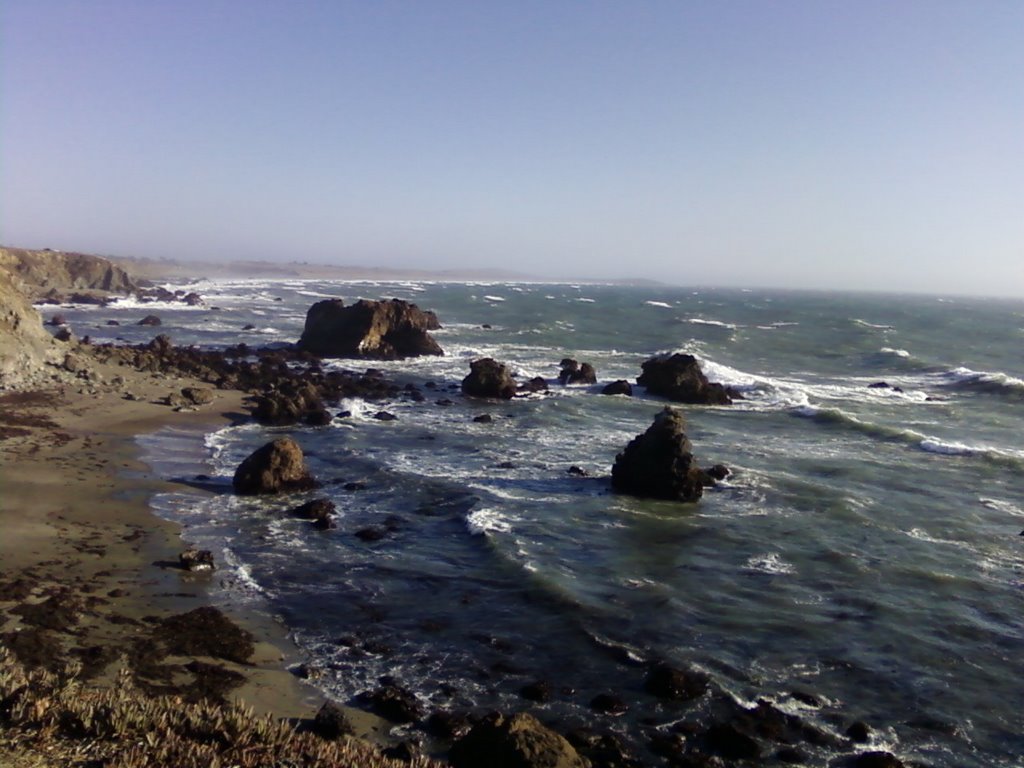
x: 44, y: 273
x: 25, y: 346
x: 27, y: 276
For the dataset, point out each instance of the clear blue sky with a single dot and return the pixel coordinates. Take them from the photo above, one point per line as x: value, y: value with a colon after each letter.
x: 851, y: 144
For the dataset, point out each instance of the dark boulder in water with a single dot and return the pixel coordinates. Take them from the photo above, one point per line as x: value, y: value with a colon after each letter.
x: 620, y: 387
x: 384, y: 330
x: 518, y: 741
x: 193, y: 559
x: 489, y: 378
x: 536, y: 384
x: 668, y: 682
x: 679, y: 377
x: 538, y: 691
x: 317, y: 510
x: 659, y: 463
x: 609, y: 704
x: 577, y: 373
x: 730, y: 742
x: 277, y: 466
x: 871, y: 760
x: 393, y: 703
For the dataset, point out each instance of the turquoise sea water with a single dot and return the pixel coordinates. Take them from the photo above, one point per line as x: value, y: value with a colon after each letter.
x: 865, y: 550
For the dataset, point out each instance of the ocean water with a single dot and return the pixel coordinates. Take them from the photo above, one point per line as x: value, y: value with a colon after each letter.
x: 866, y: 548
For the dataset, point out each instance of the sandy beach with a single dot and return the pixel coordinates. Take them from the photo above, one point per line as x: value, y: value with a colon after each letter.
x: 80, y: 544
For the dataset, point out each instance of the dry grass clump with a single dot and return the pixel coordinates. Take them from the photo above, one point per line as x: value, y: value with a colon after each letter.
x: 54, y: 714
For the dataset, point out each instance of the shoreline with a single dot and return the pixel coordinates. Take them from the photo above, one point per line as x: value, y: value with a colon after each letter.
x: 80, y: 533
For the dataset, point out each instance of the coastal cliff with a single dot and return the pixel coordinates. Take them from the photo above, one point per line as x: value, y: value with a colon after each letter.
x: 25, y: 346
x: 28, y: 276
x: 47, y: 274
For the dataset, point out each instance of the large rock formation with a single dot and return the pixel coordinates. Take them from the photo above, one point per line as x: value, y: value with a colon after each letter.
x: 519, y: 741
x: 659, y: 463
x: 383, y: 330
x: 489, y: 378
x: 277, y: 466
x: 54, y: 273
x: 679, y: 377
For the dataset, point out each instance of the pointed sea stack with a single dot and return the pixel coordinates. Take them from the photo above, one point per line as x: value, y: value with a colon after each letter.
x: 659, y: 463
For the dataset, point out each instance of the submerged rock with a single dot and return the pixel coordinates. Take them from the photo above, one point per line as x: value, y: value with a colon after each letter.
x: 277, y: 466
x: 659, y: 463
x: 679, y: 377
x: 519, y: 741
x: 385, y: 330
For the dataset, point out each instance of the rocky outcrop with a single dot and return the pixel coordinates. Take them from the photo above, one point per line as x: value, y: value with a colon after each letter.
x: 291, y: 404
x: 55, y: 273
x: 659, y: 463
x: 383, y: 330
x: 519, y: 741
x: 489, y: 378
x: 276, y: 467
x: 679, y: 377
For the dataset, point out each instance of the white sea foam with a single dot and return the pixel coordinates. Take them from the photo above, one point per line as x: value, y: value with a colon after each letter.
x: 359, y: 408
x: 1001, y: 505
x: 241, y: 582
x: 586, y: 300
x: 130, y: 302
x: 866, y: 324
x: 898, y: 352
x: 934, y: 445
x: 494, y: 298
x: 996, y: 378
x: 658, y: 304
x: 949, y: 448
x: 487, y: 520
x: 705, y: 321
x: 770, y: 562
